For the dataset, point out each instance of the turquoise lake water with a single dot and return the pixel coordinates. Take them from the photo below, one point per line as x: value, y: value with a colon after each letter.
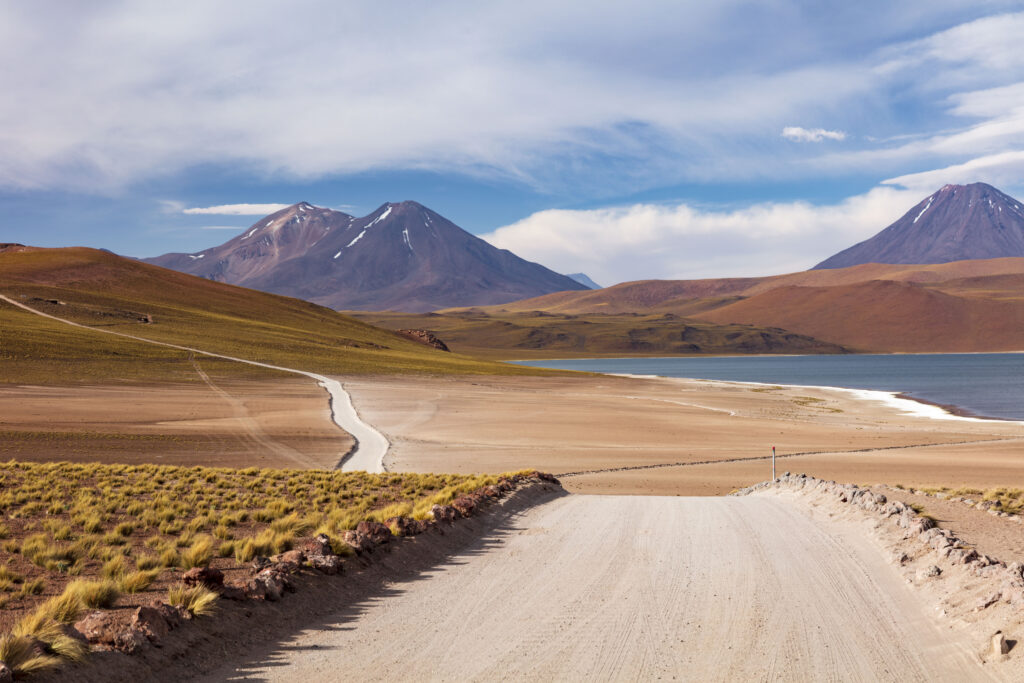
x: 982, y: 384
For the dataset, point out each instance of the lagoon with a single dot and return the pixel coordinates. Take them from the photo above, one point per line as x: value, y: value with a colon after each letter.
x: 980, y: 384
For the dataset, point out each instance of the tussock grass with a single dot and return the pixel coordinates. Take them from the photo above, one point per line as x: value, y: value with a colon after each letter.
x: 118, y: 529
x: 95, y: 594
x: 198, y: 554
x: 199, y: 600
x: 136, y: 582
x: 1008, y: 499
x: 65, y: 608
x: 19, y: 654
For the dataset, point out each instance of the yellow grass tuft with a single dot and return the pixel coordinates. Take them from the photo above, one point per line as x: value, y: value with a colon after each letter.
x: 199, y: 600
x: 95, y: 594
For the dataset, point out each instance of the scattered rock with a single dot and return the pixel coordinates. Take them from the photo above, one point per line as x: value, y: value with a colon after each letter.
x: 326, y: 564
x: 929, y: 572
x: 103, y: 630
x: 444, y: 513
x: 151, y: 622
x: 357, y: 541
x: 318, y: 545
x: 402, y: 526
x: 296, y: 557
x: 270, y: 583
x: 424, y: 337
x: 465, y: 505
x: 259, y: 564
x: 999, y: 645
x: 206, y: 576
x: 377, y: 533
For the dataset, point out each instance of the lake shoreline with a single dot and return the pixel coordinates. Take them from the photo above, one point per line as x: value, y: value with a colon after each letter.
x: 931, y: 385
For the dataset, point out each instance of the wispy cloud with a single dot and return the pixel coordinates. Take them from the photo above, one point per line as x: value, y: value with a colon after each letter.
x: 1003, y: 170
x: 798, y: 134
x: 237, y: 209
x: 534, y: 93
x: 612, y: 98
x: 645, y: 241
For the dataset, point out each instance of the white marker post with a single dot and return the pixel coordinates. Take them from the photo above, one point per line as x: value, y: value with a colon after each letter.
x: 773, y: 463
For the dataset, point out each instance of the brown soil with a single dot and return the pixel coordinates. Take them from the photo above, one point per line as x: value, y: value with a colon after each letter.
x: 218, y: 423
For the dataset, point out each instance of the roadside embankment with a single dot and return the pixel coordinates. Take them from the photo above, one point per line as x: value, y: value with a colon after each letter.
x: 971, y: 591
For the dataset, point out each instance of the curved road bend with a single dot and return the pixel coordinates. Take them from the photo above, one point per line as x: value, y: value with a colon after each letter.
x: 643, y: 588
x: 370, y: 445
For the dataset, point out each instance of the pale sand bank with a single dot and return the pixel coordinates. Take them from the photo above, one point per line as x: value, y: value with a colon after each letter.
x: 600, y: 423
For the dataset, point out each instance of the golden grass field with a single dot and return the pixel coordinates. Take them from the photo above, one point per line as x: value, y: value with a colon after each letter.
x: 79, y: 536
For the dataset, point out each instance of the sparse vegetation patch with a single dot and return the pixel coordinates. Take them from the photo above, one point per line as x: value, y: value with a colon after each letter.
x: 85, y: 536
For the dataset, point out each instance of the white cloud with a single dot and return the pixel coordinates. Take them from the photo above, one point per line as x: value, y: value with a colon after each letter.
x: 526, y: 90
x: 237, y: 209
x: 798, y: 134
x: 615, y: 96
x: 1005, y: 171
x: 649, y: 241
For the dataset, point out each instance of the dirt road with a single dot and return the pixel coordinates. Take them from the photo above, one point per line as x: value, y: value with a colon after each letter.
x: 643, y: 588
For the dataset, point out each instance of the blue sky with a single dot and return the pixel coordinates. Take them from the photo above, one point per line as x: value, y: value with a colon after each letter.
x: 648, y: 139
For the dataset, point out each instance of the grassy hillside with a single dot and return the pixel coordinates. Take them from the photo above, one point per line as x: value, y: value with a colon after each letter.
x: 546, y: 335
x: 103, y: 290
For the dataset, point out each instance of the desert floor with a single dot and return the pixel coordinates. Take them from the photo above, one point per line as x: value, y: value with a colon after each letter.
x: 675, y: 437
x: 213, y: 422
x: 600, y: 424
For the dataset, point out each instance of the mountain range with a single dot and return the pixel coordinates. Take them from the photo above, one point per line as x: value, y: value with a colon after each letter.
x: 401, y: 257
x: 957, y: 223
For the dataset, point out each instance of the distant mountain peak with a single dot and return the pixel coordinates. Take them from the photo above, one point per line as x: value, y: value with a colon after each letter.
x: 955, y: 223
x: 401, y: 256
x: 584, y: 280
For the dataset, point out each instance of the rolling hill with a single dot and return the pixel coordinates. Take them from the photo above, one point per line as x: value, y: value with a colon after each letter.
x: 400, y: 257
x: 101, y: 289
x: 546, y: 335
x: 974, y: 305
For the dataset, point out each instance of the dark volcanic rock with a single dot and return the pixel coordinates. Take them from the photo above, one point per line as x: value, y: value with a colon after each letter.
x: 210, y: 577
x: 424, y: 337
x: 957, y: 223
x: 401, y: 257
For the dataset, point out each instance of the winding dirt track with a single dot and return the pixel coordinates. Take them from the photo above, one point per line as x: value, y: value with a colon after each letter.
x: 370, y: 447
x: 641, y: 588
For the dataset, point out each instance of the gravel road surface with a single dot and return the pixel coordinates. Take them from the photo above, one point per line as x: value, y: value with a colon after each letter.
x: 643, y: 588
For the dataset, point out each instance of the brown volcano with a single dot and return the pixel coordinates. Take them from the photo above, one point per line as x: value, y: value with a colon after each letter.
x: 400, y: 257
